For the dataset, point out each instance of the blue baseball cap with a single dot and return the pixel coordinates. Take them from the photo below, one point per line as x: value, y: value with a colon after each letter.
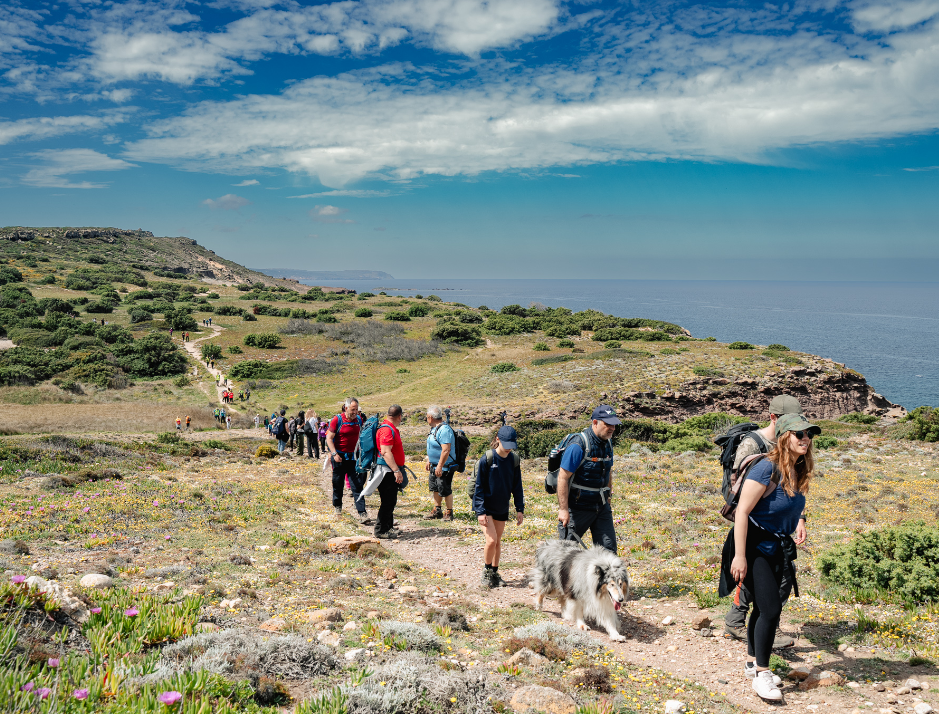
x: 507, y: 436
x: 605, y: 414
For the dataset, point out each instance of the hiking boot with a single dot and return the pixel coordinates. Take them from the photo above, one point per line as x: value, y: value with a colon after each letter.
x: 365, y: 519
x: 497, y: 581
x: 338, y: 511
x: 448, y: 515
x: 782, y: 640
x: 738, y: 633
x: 436, y: 513
x: 749, y: 669
x: 487, y: 581
x: 763, y: 685
x: 389, y: 534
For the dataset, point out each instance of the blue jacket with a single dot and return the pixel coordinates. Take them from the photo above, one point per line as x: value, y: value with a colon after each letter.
x: 496, y: 482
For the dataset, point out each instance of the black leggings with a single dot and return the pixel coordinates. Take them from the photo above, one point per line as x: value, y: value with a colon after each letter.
x: 764, y: 573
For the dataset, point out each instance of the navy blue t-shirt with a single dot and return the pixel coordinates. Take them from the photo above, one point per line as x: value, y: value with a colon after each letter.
x: 778, y: 512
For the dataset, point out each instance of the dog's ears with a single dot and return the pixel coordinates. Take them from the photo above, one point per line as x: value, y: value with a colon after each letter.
x: 601, y: 574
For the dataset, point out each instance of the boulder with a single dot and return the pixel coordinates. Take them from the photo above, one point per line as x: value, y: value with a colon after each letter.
x: 96, y: 581
x: 328, y: 638
x: 699, y: 622
x: 275, y: 624
x: 922, y: 708
x: 673, y: 706
x: 912, y: 683
x: 408, y: 590
x: 67, y: 602
x: 389, y: 574
x: 902, y: 691
x: 349, y: 543
x: 822, y: 679
x: 534, y: 698
x: 329, y: 614
x: 667, y: 620
x: 526, y: 657
x: 800, y: 672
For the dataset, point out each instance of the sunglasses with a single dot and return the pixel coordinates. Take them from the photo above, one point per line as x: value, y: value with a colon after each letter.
x: 802, y: 434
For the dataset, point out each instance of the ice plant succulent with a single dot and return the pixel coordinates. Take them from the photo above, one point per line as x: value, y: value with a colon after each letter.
x: 169, y: 698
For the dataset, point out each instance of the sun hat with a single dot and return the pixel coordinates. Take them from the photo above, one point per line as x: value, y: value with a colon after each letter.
x: 784, y: 404
x: 795, y: 422
x: 605, y: 414
x: 507, y: 436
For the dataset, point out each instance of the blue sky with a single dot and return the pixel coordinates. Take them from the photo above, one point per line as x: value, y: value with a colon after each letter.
x: 508, y: 138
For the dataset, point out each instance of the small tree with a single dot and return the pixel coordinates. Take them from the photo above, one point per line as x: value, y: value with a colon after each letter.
x: 262, y: 340
x: 210, y: 352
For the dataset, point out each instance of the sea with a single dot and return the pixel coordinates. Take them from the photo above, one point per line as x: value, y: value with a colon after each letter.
x: 889, y: 332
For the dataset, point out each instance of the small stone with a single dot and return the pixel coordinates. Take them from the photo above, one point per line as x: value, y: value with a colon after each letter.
x: 922, y: 708
x: 526, y: 657
x: 408, y: 590
x: 230, y: 604
x: 912, y: 683
x: 699, y: 622
x: 275, y: 624
x: 96, y: 580
x: 822, y: 679
x: 900, y: 691
x: 349, y: 543
x: 842, y: 647
x: 389, y: 574
x: 671, y: 648
x: 328, y: 638
x: 372, y: 615
x: 349, y: 626
x: 706, y: 632
x: 329, y: 614
x: 854, y: 685
x: 673, y: 706
x: 534, y: 698
x: 800, y: 672
x: 722, y: 681
x: 879, y: 687
x: 667, y: 621
x: 891, y: 699
x: 924, y: 685
x: 352, y: 654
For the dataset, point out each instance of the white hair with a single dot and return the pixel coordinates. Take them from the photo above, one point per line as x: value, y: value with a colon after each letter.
x: 435, y: 412
x: 348, y: 402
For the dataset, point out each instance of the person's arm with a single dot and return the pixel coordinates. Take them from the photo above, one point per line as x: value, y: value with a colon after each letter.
x: 573, y: 455
x: 331, y: 446
x: 444, y: 455
x: 750, y: 494
x: 801, y: 533
x: 389, y: 458
x: 518, y: 495
x: 479, y: 503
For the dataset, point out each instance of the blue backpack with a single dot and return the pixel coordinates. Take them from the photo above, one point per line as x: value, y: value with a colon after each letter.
x: 368, y: 444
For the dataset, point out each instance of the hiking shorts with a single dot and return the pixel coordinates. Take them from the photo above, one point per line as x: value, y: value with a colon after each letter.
x: 442, y: 484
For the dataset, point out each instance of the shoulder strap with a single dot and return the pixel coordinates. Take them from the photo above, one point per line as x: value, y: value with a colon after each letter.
x: 586, y: 441
x: 516, y: 458
x: 490, y: 455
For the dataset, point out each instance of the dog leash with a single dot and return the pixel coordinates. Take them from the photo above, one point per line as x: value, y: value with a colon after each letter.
x: 570, y: 532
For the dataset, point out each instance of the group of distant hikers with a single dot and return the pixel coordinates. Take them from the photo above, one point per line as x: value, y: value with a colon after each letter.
x: 767, y: 472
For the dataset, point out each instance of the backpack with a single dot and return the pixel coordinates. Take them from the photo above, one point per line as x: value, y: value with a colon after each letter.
x: 557, y: 454
x: 368, y: 444
x: 461, y: 445
x: 280, y: 428
x: 729, y: 443
x: 729, y: 509
x: 487, y: 457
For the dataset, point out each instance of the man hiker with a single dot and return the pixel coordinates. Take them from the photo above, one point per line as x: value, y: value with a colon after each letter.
x: 585, y: 482
x: 342, y: 436
x: 188, y: 423
x: 762, y: 441
x: 299, y: 421
x: 440, y: 464
x: 390, y: 467
x: 179, y: 424
x: 279, y: 430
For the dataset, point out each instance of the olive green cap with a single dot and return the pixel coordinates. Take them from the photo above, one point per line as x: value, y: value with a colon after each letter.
x: 795, y: 422
x: 784, y: 404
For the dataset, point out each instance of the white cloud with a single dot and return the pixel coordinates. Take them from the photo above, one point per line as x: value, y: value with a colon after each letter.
x: 36, y: 128
x: 329, y: 214
x: 888, y: 16
x: 349, y: 193
x: 247, y: 182
x: 923, y: 168
x: 56, y: 164
x: 228, y: 202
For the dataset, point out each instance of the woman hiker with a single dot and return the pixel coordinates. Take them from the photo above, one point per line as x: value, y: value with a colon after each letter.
x: 759, y: 548
x: 498, y: 476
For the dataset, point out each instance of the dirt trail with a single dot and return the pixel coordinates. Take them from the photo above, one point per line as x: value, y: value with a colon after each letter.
x: 192, y: 349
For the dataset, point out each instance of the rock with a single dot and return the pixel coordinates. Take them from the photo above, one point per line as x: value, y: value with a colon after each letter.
x: 349, y: 626
x: 699, y: 622
x: 842, y: 647
x: 673, y: 706
x: 822, y: 679
x: 854, y: 685
x: 389, y: 574
x: 706, y: 632
x: 800, y: 672
x: 671, y: 648
x: 328, y: 638
x: 68, y: 603
x: 13, y: 547
x: 526, y: 657
x: 370, y: 550
x: 879, y: 687
x: 230, y: 604
x: 922, y: 708
x: 329, y: 614
x: 349, y: 543
x: 408, y: 590
x: 205, y: 627
x: 924, y: 685
x: 352, y: 654
x: 912, y: 683
x: 275, y: 624
x: 900, y: 691
x: 667, y: 620
x: 372, y: 615
x: 97, y: 581
x: 542, y: 699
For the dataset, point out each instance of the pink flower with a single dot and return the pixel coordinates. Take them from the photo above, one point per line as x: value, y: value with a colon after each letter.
x: 169, y: 698
x: 131, y: 612
x: 43, y: 693
x: 95, y: 610
x: 169, y: 537
x: 85, y: 509
x: 156, y: 503
x: 28, y: 687
x: 53, y: 662
x: 80, y: 694
x: 17, y: 579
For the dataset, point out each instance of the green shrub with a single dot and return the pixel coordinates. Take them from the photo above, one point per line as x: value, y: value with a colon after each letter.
x: 248, y: 317
x: 262, y: 340
x: 180, y: 320
x: 366, y: 294
x: 825, y: 442
x: 266, y: 451
x: 397, y: 316
x: 153, y: 355
x: 138, y: 314
x: 859, y: 418
x: 612, y: 345
x: 740, y: 346
x: 229, y: 310
x: 901, y: 560
x: 688, y: 443
x: 326, y: 317
x: 506, y: 324
x: 210, y: 352
x: 468, y: 317
x: 504, y: 367
x: 776, y: 347
x: 418, y: 310
x: 703, y: 371
x: 182, y: 381
x: 565, y: 329
x: 47, y: 280
x: 566, y: 343
x: 924, y: 424
x: 538, y: 444
x: 450, y: 332
x: 541, y: 347
x: 363, y: 312
x: 99, y: 308
x: 10, y: 275
x: 434, y: 298
x: 630, y: 334
x: 169, y: 437
x: 668, y: 351
x: 551, y: 360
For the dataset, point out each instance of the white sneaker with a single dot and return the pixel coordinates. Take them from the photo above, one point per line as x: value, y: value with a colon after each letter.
x: 749, y: 669
x: 764, y: 686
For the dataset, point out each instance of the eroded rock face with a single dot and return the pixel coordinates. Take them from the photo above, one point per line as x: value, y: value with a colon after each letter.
x: 68, y: 603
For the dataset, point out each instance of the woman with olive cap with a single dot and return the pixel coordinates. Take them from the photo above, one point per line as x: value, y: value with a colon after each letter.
x: 771, y: 503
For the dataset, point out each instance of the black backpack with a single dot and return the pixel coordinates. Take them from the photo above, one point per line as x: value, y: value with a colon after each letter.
x: 461, y: 445
x: 729, y: 442
x: 280, y: 428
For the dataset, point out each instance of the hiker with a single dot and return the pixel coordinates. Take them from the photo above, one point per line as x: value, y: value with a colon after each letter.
x: 440, y: 463
x: 309, y: 431
x: 248, y: 394
x: 390, y: 462
x: 179, y: 424
x: 585, y: 483
x: 228, y: 422
x: 221, y: 417
x: 342, y: 435
x: 761, y: 441
x: 188, y: 423
x: 498, y: 476
x: 291, y: 432
x: 298, y: 431
x: 279, y: 430
x: 321, y: 431
x: 257, y: 421
x: 759, y: 548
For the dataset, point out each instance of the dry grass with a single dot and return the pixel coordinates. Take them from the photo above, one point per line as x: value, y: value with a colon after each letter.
x: 119, y: 417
